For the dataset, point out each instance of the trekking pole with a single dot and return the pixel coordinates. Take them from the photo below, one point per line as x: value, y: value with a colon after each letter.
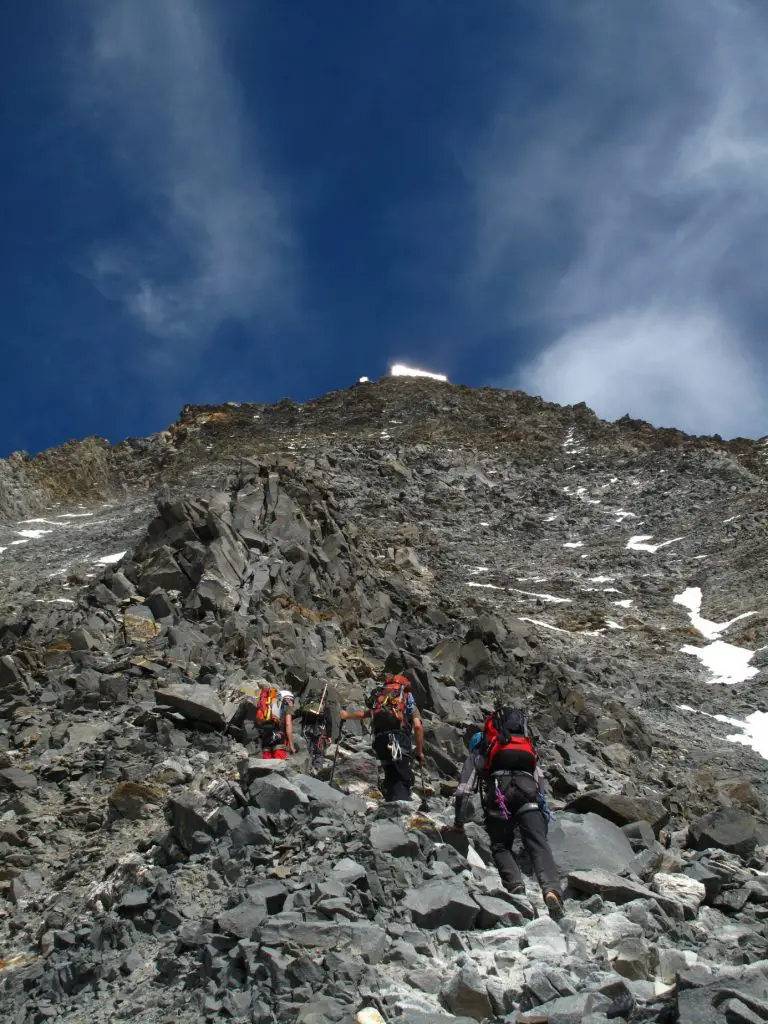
x: 424, y: 805
x: 336, y: 754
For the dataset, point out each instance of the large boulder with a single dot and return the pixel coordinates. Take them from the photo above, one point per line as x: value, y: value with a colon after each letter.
x: 466, y: 993
x: 438, y: 903
x: 275, y: 793
x: 621, y: 810
x: 196, y: 701
x: 608, y: 885
x: 727, y: 829
x: 583, y: 841
x: 387, y: 837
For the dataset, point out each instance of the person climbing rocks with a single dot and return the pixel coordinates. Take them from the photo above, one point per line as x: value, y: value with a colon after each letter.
x: 396, y: 727
x: 316, y: 727
x: 273, y: 717
x: 503, y: 765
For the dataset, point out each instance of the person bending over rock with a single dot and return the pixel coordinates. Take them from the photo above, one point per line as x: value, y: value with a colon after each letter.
x: 503, y: 765
x: 396, y: 727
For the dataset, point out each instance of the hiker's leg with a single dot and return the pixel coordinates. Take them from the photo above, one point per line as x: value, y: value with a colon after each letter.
x: 533, y: 832
x: 390, y: 782
x: 501, y: 835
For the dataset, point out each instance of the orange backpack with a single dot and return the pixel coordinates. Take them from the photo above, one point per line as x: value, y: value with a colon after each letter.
x: 268, y: 707
x: 389, y: 705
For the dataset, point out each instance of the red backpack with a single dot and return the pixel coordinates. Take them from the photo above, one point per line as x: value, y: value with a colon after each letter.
x: 389, y: 705
x: 508, y: 741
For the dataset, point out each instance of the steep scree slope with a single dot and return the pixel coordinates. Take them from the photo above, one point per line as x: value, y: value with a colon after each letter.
x: 608, y: 575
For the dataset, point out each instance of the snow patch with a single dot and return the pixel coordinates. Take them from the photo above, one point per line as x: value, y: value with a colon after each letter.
x: 638, y: 543
x: 484, y: 586
x: 570, y: 443
x: 727, y: 663
x: 574, y: 544
x: 621, y: 514
x: 754, y: 728
x: 111, y: 559
x: 33, y: 534
x: 602, y: 579
x: 549, y: 598
x: 613, y: 625
x: 626, y: 603
x: 400, y: 370
x: 691, y: 599
x: 547, y: 625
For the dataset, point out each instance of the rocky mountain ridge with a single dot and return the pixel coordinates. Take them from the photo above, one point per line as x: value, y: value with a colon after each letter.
x: 607, y: 575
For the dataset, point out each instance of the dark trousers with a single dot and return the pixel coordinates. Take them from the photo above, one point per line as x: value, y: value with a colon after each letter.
x: 533, y: 832
x: 316, y: 737
x: 398, y: 774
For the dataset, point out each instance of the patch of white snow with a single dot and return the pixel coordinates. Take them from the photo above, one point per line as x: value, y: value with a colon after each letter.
x: 33, y: 534
x: 574, y: 544
x: 111, y: 559
x: 399, y: 370
x: 613, y: 625
x: 547, y: 625
x: 484, y: 586
x: 691, y: 599
x: 601, y: 579
x: 549, y: 598
x: 638, y: 543
x: 727, y: 663
x: 626, y: 603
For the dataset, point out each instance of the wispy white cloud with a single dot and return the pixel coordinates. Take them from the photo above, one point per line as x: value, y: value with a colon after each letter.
x: 216, y: 242
x: 630, y: 195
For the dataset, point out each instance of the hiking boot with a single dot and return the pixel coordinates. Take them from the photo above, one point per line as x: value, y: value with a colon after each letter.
x: 554, y: 903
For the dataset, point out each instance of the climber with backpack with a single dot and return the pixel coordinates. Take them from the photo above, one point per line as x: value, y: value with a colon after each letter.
x: 503, y: 765
x: 272, y: 715
x: 316, y: 726
x: 396, y: 728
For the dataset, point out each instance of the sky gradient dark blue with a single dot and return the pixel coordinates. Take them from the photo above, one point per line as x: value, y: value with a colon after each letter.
x: 210, y: 202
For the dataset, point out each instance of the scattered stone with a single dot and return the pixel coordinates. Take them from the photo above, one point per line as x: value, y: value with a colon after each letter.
x: 728, y: 829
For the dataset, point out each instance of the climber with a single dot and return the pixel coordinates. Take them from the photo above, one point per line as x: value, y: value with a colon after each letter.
x: 503, y: 765
x: 272, y: 715
x: 395, y: 725
x: 316, y: 727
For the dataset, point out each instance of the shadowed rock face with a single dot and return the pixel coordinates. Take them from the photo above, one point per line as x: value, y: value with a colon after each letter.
x: 488, y: 543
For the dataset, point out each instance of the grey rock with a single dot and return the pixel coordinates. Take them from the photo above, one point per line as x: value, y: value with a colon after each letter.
x: 621, y: 810
x: 439, y: 903
x: 728, y: 829
x: 387, y: 837
x: 16, y: 779
x: 197, y: 702
x: 580, y: 842
x: 275, y: 793
x: 611, y: 887
x: 466, y: 994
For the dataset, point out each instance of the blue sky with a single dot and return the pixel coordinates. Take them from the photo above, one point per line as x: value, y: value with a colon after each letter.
x: 204, y: 202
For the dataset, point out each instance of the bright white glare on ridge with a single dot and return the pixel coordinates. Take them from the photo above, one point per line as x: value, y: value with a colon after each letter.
x: 399, y: 370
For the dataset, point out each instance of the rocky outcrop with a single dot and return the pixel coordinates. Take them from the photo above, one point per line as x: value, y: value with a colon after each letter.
x: 154, y: 866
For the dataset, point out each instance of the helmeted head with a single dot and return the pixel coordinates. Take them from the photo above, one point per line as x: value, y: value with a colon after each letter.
x: 475, y: 741
x: 398, y: 680
x: 286, y: 697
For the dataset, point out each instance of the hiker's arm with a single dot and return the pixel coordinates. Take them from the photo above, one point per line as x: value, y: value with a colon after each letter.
x: 354, y: 716
x: 466, y: 786
x: 418, y: 735
x: 289, y: 733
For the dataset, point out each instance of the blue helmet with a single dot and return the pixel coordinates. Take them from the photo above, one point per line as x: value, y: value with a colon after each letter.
x: 475, y: 741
